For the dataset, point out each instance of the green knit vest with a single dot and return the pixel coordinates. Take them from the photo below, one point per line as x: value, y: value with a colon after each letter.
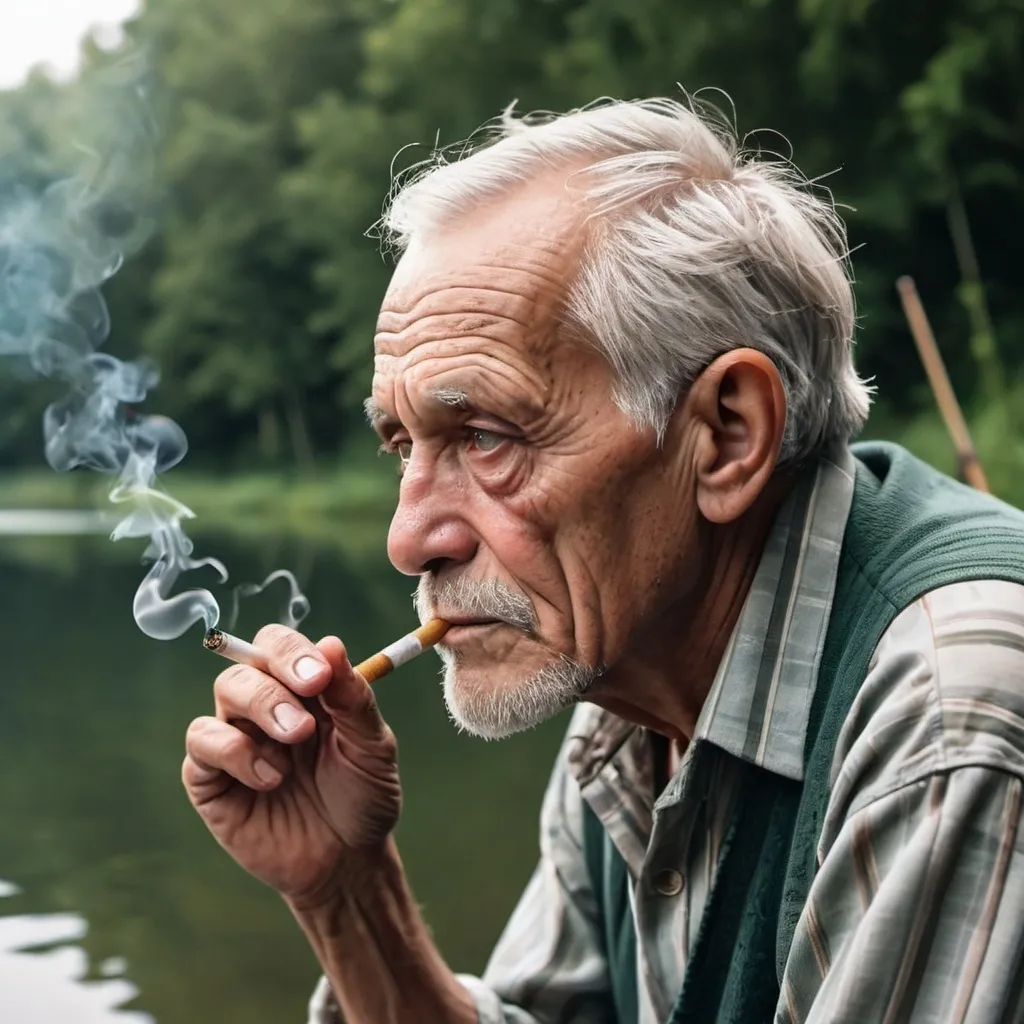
x: 910, y: 530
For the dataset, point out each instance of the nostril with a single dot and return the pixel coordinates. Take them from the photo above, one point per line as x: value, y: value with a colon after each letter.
x: 422, y: 538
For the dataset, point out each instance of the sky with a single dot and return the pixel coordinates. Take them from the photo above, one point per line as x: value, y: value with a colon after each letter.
x: 49, y: 32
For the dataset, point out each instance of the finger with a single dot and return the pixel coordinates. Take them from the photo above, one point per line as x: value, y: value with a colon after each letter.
x: 294, y: 659
x: 246, y: 693
x: 347, y: 698
x: 215, y: 747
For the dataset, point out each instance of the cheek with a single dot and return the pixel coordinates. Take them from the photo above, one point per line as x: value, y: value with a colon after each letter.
x: 663, y: 548
x: 622, y: 544
x: 582, y: 526
x: 519, y: 537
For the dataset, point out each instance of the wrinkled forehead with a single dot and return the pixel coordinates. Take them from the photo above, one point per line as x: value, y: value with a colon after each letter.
x: 462, y: 293
x: 504, y: 266
x: 469, y: 333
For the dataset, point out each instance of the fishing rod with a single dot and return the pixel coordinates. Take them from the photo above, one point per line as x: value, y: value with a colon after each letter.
x: 949, y: 407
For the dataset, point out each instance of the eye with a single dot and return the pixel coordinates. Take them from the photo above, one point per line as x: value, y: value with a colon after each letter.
x: 487, y: 440
x: 403, y: 449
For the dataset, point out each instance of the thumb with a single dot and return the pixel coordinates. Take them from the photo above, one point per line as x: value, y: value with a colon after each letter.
x: 347, y: 699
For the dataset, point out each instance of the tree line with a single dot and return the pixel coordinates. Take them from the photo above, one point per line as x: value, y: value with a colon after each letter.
x: 280, y: 120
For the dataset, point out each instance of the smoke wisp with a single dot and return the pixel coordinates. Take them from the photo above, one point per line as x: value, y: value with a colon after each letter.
x: 60, y: 241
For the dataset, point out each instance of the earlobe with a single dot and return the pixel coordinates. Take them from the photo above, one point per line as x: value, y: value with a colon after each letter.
x: 742, y: 405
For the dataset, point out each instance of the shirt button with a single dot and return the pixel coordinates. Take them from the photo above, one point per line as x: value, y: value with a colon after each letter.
x: 668, y: 882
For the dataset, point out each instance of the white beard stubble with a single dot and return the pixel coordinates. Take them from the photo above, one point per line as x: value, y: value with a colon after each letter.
x: 522, y: 703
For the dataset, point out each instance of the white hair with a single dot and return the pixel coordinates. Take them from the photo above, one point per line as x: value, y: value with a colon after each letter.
x: 694, y: 247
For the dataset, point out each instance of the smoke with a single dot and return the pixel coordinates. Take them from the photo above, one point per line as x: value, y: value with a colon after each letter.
x: 59, y: 243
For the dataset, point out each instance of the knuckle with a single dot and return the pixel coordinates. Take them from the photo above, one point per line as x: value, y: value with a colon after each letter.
x: 230, y: 678
x: 191, y: 772
x: 292, y: 648
x: 263, y: 697
x: 269, y: 634
x: 367, y: 707
x: 246, y: 692
x: 388, y: 740
x: 236, y: 747
x: 195, y: 731
x: 281, y: 641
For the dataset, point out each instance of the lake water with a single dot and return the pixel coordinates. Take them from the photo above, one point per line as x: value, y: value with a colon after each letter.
x: 116, y: 906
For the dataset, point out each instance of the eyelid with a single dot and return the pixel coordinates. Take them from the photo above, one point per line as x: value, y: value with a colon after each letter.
x: 502, y: 429
x: 393, y: 446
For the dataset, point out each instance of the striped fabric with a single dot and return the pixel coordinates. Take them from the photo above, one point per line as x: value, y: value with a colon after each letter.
x: 917, y: 913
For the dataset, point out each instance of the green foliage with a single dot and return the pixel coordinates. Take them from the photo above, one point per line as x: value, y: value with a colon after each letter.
x: 282, y: 119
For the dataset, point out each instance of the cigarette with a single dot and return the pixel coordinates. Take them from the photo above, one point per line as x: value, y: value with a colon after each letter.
x: 410, y: 646
x: 376, y: 667
x: 233, y: 648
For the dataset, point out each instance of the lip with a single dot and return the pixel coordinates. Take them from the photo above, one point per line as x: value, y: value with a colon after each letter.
x: 464, y: 630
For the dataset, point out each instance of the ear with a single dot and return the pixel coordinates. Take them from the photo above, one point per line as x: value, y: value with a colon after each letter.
x: 738, y: 407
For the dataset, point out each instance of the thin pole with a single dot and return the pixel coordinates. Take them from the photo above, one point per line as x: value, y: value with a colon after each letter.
x: 967, y: 455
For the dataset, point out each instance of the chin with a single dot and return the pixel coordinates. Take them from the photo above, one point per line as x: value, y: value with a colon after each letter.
x: 493, y: 704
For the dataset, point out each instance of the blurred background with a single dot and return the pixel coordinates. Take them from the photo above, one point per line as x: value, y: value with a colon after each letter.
x: 277, y: 125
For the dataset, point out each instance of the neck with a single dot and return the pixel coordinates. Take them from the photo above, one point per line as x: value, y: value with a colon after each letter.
x: 663, y: 682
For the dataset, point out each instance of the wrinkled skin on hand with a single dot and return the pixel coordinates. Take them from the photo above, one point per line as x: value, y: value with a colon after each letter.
x: 297, y: 778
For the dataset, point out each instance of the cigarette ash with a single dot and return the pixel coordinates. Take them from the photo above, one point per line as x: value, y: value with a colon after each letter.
x: 213, y: 639
x: 61, y: 238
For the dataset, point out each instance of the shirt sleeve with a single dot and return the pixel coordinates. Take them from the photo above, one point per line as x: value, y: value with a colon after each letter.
x: 548, y: 966
x: 917, y: 911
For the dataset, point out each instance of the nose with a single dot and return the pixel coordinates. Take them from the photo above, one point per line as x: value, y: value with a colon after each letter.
x: 428, y: 529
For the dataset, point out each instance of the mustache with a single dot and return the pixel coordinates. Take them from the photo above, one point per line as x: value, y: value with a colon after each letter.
x: 485, y: 599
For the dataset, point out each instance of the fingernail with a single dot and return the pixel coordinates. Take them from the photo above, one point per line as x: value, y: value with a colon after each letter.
x: 266, y: 772
x: 288, y: 716
x: 307, y: 668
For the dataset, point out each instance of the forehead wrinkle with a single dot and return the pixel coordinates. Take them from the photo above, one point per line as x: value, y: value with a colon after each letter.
x: 469, y: 301
x: 473, y: 372
x: 452, y: 327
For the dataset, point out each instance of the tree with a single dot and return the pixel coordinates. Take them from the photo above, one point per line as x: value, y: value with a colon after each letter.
x: 234, y: 287
x: 282, y: 119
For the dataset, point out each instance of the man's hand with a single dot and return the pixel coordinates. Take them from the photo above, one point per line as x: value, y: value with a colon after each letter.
x: 296, y: 773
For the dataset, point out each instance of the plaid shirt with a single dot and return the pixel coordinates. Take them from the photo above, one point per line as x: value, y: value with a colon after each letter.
x: 917, y: 911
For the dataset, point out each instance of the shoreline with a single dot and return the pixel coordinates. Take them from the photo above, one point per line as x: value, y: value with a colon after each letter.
x: 247, y: 503
x: 318, y: 505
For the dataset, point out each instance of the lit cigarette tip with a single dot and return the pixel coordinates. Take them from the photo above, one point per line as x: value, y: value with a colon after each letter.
x: 233, y: 648
x: 212, y: 639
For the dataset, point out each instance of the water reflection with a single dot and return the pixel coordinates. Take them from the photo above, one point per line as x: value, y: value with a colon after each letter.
x: 93, y: 821
x: 44, y: 973
x: 53, y: 522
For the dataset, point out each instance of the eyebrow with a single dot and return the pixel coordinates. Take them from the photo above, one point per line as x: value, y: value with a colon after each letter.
x: 374, y: 412
x: 454, y: 398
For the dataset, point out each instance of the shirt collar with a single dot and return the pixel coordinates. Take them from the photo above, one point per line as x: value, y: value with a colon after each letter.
x: 759, y: 702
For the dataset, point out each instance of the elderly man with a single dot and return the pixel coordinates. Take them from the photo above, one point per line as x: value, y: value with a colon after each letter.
x: 614, y: 362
